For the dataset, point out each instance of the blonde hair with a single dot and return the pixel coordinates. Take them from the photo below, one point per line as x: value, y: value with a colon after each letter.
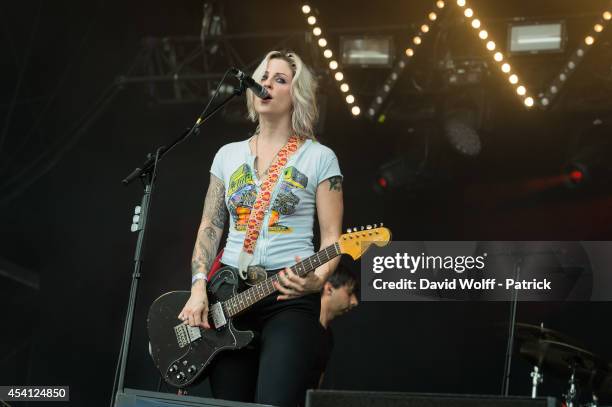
x: 305, y: 113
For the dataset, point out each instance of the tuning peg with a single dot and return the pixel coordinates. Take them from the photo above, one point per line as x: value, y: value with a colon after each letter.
x: 375, y: 226
x: 348, y: 230
x: 362, y: 228
x: 381, y: 224
x: 368, y: 227
x: 355, y: 229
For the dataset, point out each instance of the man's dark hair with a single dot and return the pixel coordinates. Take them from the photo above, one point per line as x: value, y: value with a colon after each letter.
x: 343, y: 276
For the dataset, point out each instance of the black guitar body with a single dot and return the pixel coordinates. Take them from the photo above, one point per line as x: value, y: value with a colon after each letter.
x: 182, y: 353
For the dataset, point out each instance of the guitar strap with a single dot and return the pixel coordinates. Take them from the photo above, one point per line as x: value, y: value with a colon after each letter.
x: 262, y: 203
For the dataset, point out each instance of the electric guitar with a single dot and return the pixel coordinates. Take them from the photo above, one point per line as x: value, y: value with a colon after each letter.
x: 182, y: 352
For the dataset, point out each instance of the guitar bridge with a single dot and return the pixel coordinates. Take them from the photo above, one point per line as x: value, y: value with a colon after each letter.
x: 186, y: 334
x: 218, y: 317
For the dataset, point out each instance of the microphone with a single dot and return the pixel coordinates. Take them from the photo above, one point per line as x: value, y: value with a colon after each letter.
x: 250, y: 83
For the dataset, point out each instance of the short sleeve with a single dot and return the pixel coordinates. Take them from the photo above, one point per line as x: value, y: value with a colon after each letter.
x: 216, y: 168
x: 328, y: 165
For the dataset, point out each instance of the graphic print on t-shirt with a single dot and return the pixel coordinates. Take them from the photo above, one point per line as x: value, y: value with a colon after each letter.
x: 242, y: 192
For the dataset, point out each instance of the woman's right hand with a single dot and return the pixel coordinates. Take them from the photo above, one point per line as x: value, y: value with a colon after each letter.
x: 195, y: 311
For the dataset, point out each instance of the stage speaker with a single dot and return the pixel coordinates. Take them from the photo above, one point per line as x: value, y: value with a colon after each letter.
x: 143, y: 398
x: 333, y: 398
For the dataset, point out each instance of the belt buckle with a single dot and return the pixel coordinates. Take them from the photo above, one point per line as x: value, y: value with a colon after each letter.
x: 255, y: 275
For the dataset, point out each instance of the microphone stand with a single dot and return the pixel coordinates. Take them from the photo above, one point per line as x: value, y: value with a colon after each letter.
x: 147, y: 174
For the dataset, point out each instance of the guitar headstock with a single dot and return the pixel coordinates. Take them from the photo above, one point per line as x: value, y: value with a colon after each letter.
x: 355, y: 242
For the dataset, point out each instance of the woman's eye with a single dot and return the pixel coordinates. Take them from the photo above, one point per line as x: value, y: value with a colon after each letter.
x: 280, y: 80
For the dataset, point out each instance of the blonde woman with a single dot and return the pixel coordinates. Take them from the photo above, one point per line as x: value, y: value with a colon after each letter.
x: 282, y: 364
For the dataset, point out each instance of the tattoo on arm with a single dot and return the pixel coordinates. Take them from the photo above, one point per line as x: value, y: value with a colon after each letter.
x: 335, y: 183
x: 204, y: 251
x: 214, y: 203
x: 211, y: 228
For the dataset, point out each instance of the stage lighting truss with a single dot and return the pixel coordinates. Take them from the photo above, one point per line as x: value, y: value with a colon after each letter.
x: 334, y: 66
x: 545, y: 98
x: 496, y: 55
x: 576, y: 57
x: 415, y: 42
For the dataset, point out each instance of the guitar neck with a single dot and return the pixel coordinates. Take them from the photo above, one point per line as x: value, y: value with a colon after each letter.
x: 248, y: 297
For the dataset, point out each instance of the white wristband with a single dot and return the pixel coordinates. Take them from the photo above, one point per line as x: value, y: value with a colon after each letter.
x: 198, y: 276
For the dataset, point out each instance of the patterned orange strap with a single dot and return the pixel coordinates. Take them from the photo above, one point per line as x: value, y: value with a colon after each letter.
x: 262, y: 202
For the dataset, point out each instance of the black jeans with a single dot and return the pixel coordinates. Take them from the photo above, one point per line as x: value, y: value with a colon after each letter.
x: 281, y: 363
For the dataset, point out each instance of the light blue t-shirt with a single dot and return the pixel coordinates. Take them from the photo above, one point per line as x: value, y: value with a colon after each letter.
x: 287, y: 229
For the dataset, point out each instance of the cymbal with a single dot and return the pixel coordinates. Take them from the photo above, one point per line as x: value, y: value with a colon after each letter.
x: 528, y: 332
x: 560, y: 359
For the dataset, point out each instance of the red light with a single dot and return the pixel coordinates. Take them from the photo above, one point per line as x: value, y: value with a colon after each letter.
x: 382, y: 182
x: 576, y: 176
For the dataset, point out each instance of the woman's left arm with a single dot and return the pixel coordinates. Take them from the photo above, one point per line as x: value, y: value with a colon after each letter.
x: 330, y: 207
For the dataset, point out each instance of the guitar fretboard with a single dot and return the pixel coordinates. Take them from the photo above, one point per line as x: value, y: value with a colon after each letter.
x: 248, y: 297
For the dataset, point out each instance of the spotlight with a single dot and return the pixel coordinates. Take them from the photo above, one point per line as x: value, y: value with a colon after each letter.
x: 607, y: 15
x: 589, y: 40
x: 461, y: 3
x: 468, y: 12
x: 409, y: 52
x: 339, y: 76
x: 498, y: 56
x: 367, y: 51
x: 440, y: 4
x: 528, y: 101
x: 476, y: 23
x: 316, y: 31
x: 432, y: 16
x: 598, y: 28
x: 333, y: 65
x: 322, y: 42
x: 305, y: 9
x: 460, y: 130
x: 536, y: 37
x: 521, y: 90
x: 416, y: 40
x: 350, y: 99
x: 483, y: 34
x: 491, y: 46
x: 513, y: 79
x: 591, y: 163
x: 311, y: 20
x: 328, y: 53
x: 506, y: 67
x: 355, y: 110
x: 344, y: 87
x: 425, y: 28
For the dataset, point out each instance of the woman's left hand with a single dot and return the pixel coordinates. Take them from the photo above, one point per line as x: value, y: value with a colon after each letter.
x: 293, y: 286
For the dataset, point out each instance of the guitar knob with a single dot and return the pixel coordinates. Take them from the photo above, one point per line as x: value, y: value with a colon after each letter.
x: 180, y: 376
x: 191, y: 369
x: 173, y: 369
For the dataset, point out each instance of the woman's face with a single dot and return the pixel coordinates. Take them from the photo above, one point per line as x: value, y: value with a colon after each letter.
x: 277, y: 80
